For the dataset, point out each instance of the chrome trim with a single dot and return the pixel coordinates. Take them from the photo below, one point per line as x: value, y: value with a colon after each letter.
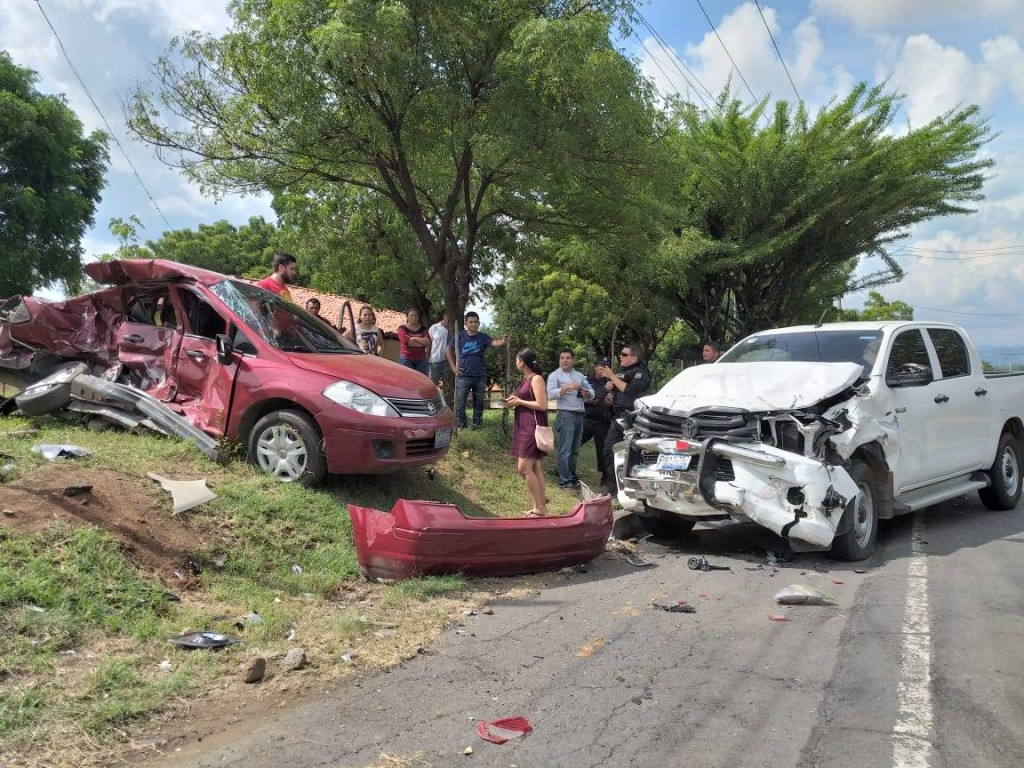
x: 749, y: 455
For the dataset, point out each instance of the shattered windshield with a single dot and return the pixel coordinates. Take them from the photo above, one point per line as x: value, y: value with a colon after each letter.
x: 822, y: 346
x: 279, y: 322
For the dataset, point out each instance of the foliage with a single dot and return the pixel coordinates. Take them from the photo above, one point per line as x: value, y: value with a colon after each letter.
x: 773, y: 217
x: 51, y: 175
x: 877, y: 308
x: 244, y: 251
x: 469, y: 123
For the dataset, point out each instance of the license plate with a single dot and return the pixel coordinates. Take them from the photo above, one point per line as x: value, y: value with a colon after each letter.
x: 673, y: 461
x: 442, y: 437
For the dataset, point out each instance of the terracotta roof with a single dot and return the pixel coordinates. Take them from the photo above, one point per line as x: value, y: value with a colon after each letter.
x: 388, y: 320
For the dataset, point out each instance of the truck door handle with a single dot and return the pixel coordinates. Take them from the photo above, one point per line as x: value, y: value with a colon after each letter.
x: 134, y: 338
x: 196, y: 355
x: 942, y: 398
x: 980, y: 392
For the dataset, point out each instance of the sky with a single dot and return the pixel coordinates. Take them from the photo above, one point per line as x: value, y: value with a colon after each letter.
x: 939, y: 53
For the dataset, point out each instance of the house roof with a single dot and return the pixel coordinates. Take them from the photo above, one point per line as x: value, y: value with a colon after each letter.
x: 388, y: 320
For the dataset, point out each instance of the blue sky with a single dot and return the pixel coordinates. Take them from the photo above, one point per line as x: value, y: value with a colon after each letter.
x: 940, y: 53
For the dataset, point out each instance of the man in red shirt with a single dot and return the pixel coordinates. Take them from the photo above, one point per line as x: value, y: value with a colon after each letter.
x: 284, y: 273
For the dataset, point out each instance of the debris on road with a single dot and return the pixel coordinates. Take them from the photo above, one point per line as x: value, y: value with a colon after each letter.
x: 203, y: 640
x: 676, y: 606
x: 500, y: 731
x: 778, y: 617
x: 186, y: 494
x: 837, y: 581
x: 701, y: 564
x: 638, y: 562
x: 801, y: 594
x: 52, y: 452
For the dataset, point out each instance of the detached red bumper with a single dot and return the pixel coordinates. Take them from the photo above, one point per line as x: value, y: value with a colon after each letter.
x: 419, y: 538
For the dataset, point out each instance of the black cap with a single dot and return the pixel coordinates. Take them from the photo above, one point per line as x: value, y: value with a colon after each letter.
x: 602, y: 360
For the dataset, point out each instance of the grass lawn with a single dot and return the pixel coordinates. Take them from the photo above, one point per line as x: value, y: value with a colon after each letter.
x: 87, y: 605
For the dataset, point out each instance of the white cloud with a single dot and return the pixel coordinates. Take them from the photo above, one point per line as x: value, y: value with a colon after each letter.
x: 875, y: 14
x: 1004, y: 56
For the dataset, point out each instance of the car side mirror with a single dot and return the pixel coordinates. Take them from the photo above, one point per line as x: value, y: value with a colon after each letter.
x: 909, y: 375
x: 225, y: 350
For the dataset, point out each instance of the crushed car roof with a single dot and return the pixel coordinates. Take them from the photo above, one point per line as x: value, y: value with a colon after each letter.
x: 120, y: 271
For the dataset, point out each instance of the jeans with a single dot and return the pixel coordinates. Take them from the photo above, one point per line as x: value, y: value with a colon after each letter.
x: 478, y: 385
x: 437, y: 371
x: 597, y: 428
x: 569, y: 426
x: 416, y: 365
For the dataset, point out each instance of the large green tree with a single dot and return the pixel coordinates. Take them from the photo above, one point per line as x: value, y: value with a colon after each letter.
x: 475, y: 121
x: 51, y: 175
x: 246, y: 250
x: 776, y: 209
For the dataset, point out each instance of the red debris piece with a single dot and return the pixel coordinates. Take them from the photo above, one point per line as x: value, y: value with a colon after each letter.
x: 500, y: 731
x: 777, y: 617
x: 837, y: 581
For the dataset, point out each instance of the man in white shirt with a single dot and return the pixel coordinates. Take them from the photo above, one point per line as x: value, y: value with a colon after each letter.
x: 570, y: 388
x: 438, y: 344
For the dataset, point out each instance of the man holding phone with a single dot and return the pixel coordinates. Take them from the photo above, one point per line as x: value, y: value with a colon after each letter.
x: 632, y: 381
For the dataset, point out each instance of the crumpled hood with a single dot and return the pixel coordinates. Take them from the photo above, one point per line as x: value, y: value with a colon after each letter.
x: 755, y: 387
x: 385, y: 378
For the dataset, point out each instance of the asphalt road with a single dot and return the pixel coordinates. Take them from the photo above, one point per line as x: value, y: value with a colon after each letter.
x: 918, y: 664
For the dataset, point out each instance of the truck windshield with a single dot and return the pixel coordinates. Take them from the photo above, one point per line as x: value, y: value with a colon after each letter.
x: 279, y: 322
x: 818, y: 346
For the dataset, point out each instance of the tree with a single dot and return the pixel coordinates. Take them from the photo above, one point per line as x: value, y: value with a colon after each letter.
x: 51, y: 175
x: 877, y: 308
x: 246, y: 251
x: 475, y: 121
x: 773, y: 218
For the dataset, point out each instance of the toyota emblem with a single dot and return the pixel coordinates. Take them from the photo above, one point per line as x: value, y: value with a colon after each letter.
x: 689, y: 427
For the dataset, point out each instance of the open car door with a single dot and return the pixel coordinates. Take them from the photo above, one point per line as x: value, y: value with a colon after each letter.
x: 148, y: 340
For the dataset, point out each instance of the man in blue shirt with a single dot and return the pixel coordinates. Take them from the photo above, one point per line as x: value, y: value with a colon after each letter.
x: 570, y: 388
x: 471, y: 372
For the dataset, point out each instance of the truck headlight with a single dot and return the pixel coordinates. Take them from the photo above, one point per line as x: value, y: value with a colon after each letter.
x: 359, y: 398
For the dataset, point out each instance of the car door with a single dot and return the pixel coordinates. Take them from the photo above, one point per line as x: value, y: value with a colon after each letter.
x: 963, y: 416
x: 204, y: 385
x: 148, y: 338
x: 910, y: 452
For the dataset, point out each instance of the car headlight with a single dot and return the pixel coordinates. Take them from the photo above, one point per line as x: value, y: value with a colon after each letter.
x: 359, y: 399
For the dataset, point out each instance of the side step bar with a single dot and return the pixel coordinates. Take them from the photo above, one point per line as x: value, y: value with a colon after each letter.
x: 933, y: 494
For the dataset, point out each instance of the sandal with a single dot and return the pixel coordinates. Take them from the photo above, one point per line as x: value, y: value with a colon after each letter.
x: 532, y: 513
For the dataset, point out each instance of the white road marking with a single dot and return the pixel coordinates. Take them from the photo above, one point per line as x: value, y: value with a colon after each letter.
x: 913, y: 733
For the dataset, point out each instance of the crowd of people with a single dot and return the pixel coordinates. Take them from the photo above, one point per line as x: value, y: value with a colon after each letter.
x: 588, y: 406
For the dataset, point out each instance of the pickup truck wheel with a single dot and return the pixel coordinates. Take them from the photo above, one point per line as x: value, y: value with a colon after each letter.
x: 1004, y: 476
x: 50, y: 393
x: 286, y: 445
x: 858, y: 529
x: 664, y: 525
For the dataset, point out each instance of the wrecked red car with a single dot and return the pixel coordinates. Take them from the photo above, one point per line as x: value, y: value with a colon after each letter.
x: 420, y: 538
x: 234, y: 360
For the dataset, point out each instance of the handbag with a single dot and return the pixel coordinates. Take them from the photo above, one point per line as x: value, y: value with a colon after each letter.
x: 543, y: 436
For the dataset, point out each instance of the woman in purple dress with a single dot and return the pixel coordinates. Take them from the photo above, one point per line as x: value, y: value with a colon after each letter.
x: 531, y: 403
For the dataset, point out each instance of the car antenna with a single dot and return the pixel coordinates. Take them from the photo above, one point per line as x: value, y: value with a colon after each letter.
x: 821, y: 319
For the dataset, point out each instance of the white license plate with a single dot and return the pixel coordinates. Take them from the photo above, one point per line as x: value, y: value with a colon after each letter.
x: 672, y: 461
x: 442, y: 437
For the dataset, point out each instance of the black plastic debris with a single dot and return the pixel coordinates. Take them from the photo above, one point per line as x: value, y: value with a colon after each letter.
x: 676, y: 606
x: 638, y: 562
x: 701, y: 564
x: 195, y: 640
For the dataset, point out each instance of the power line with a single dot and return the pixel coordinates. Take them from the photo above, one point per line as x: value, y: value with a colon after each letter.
x: 972, y: 314
x: 986, y: 251
x: 667, y: 77
x: 675, y: 60
x: 726, y: 49
x: 765, y: 22
x: 110, y: 131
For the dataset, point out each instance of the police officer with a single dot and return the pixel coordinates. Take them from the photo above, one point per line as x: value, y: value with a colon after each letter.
x: 598, y: 415
x: 632, y: 381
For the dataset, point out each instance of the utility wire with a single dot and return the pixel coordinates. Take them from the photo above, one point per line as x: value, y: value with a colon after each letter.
x: 987, y: 251
x: 972, y: 314
x: 668, y: 77
x: 672, y: 56
x: 110, y: 131
x: 727, y: 53
x: 765, y: 22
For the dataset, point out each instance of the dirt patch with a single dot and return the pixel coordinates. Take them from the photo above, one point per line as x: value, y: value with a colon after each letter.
x: 134, y: 510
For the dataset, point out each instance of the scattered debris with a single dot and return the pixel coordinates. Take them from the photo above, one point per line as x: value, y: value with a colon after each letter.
x: 253, y: 670
x: 778, y: 617
x: 675, y: 606
x: 9, y: 512
x: 186, y: 494
x: 500, y: 731
x: 467, y: 751
x: 801, y: 594
x: 860, y: 570
x: 347, y: 658
x: 203, y: 640
x: 52, y: 451
x: 297, y: 569
x: 837, y: 581
x: 701, y: 564
x: 77, y: 490
x: 166, y: 665
x: 294, y: 660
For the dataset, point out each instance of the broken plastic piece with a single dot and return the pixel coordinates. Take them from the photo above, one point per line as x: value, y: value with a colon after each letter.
x: 676, y: 606
x: 186, y: 494
x: 837, y: 581
x: 701, y: 564
x: 801, y: 594
x: 51, y: 451
x: 203, y: 640
x: 638, y: 562
x: 777, y: 617
x: 500, y: 731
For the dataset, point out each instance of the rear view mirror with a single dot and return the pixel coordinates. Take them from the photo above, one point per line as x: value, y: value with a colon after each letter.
x: 909, y: 375
x: 225, y: 349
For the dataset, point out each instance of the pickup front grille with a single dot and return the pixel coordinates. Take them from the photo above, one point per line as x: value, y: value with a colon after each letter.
x: 654, y: 423
x: 418, y: 408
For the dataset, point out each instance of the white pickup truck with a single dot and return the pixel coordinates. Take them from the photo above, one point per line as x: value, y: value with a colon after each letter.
x: 817, y: 432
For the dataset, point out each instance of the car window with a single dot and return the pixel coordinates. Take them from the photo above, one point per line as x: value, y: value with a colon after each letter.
x: 152, y: 307
x: 822, y: 346
x: 907, y: 347
x: 951, y: 350
x: 203, y: 319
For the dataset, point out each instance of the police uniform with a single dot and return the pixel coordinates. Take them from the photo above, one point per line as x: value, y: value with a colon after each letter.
x: 638, y: 380
x: 598, y: 417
